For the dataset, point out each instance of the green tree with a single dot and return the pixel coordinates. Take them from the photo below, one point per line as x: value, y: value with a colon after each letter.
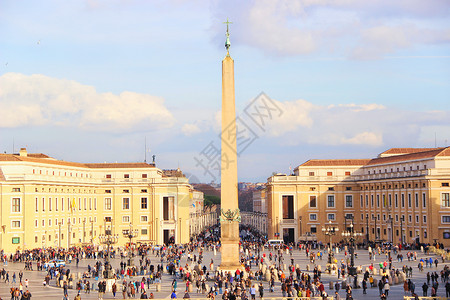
x: 211, y: 200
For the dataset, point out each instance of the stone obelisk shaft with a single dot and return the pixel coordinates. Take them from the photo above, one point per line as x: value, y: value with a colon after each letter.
x: 229, y: 179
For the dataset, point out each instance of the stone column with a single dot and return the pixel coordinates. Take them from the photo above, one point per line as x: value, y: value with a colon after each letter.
x: 229, y: 190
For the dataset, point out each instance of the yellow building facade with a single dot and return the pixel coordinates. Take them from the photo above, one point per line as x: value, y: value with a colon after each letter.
x: 402, y: 195
x: 51, y: 203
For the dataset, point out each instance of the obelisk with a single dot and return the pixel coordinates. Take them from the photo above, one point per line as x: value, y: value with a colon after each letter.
x: 230, y: 215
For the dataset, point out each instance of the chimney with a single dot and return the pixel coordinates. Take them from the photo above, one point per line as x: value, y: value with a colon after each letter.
x: 23, y: 152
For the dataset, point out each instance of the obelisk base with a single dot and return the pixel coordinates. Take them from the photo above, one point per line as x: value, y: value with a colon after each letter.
x: 230, y: 260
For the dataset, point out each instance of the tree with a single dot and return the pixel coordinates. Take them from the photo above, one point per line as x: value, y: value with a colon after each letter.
x: 211, y: 200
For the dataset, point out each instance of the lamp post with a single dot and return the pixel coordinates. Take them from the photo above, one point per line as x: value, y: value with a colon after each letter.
x: 330, y: 230
x: 108, y: 238
x: 367, y: 230
x: 92, y: 231
x: 69, y: 232
x: 59, y: 234
x: 351, y: 234
x: 376, y: 232
x: 84, y: 231
x: 130, y: 234
x: 402, y: 219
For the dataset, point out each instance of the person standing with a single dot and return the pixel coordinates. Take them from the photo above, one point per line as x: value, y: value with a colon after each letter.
x: 386, y: 289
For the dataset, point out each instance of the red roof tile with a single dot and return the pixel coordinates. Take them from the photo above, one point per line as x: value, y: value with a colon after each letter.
x: 334, y: 162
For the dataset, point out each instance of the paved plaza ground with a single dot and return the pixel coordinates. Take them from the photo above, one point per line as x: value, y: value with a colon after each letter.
x: 51, y: 292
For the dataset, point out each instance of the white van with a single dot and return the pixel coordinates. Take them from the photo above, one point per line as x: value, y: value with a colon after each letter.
x: 275, y: 243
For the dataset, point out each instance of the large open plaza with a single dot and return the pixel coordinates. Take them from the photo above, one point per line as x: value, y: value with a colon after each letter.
x: 38, y: 291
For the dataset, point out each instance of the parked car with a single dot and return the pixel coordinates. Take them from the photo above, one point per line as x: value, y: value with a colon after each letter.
x: 54, y: 263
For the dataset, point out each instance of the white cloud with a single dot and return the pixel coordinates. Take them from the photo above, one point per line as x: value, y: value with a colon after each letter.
x: 373, y: 125
x: 350, y: 28
x: 190, y: 129
x: 365, y: 138
x: 42, y: 100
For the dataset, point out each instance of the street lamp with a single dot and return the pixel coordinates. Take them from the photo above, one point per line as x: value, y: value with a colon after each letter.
x: 367, y: 230
x: 108, y: 239
x: 351, y: 234
x: 402, y: 219
x: 59, y: 235
x: 330, y: 230
x: 84, y: 231
x: 130, y: 234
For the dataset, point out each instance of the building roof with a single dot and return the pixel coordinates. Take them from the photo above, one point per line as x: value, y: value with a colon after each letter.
x: 411, y: 156
x: 334, y: 162
x: 400, y: 151
x: 119, y: 165
x: 45, y: 159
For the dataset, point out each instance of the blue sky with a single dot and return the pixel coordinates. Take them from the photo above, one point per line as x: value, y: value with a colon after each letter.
x: 89, y: 81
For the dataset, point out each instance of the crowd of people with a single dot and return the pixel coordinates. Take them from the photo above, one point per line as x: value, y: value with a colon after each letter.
x: 273, y: 271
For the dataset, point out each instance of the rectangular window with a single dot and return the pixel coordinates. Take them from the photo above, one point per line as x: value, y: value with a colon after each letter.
x: 403, y: 200
x: 16, y: 190
x: 144, y: 191
x: 361, y: 201
x: 126, y: 191
x: 56, y: 204
x: 108, y: 204
x: 347, y: 173
x: 417, y: 219
x: 330, y: 201
x: 144, y: 231
x: 168, y: 208
x: 144, y: 219
x: 36, y: 204
x: 390, y: 200
x: 329, y: 173
x: 311, y: 173
x: 396, y: 200
x: 90, y: 203
x: 367, y: 200
x: 15, y: 224
x: 409, y: 200
x: 416, y: 196
x: 79, y: 203
x: 348, y: 201
x: 446, y: 199
x: 445, y: 219
x: 15, y: 205
x: 144, y: 203
x: 108, y: 176
x: 330, y: 217
x: 312, y: 201
x: 43, y: 204
x: 49, y: 204
x: 424, y: 202
x: 126, y: 203
x: 313, y: 229
x: 444, y: 184
x: 107, y: 191
x: 424, y: 219
x: 371, y: 200
x: 288, y: 207
x: 85, y: 204
x: 144, y: 175
x: 313, y: 217
x: 126, y: 219
x: 126, y: 176
x: 378, y: 200
x: 62, y: 204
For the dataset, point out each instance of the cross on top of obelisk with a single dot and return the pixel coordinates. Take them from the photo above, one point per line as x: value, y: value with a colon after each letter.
x: 227, y: 43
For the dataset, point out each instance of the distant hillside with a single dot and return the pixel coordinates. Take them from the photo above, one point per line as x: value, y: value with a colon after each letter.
x: 207, y: 189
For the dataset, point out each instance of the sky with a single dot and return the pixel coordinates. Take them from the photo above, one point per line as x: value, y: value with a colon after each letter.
x: 123, y: 80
